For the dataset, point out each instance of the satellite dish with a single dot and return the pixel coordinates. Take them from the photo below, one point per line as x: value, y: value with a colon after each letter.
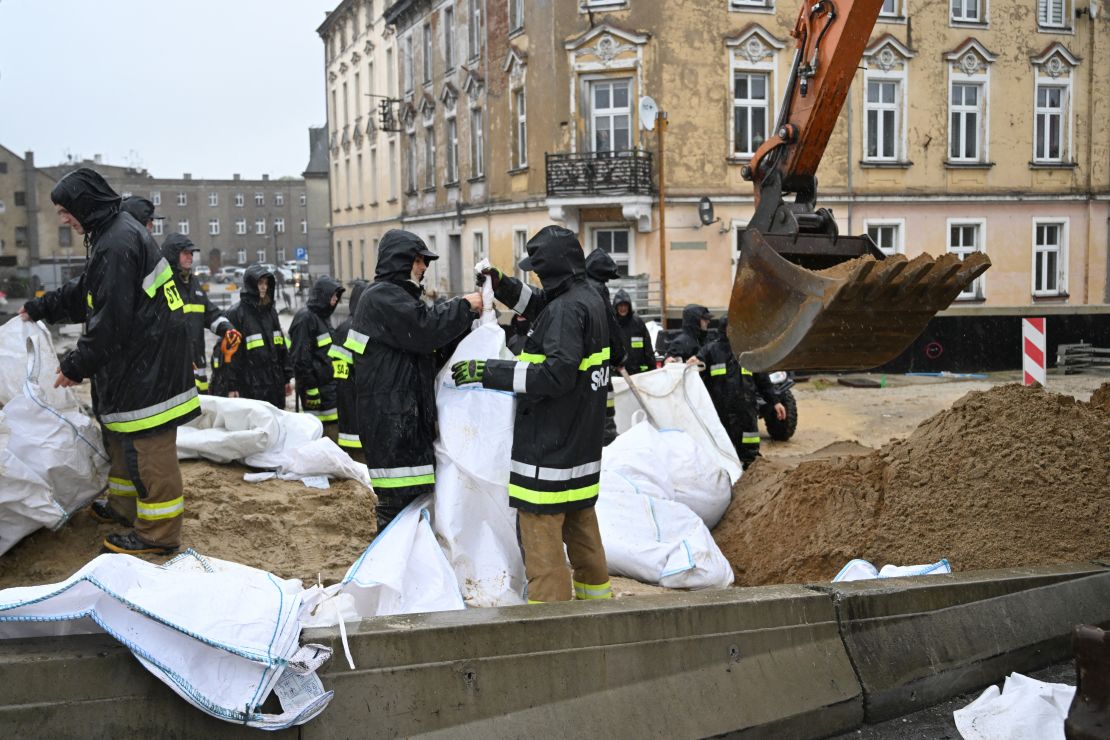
x: 648, y: 112
x: 705, y: 211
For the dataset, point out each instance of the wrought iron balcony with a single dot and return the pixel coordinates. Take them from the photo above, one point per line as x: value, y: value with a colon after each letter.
x: 625, y: 172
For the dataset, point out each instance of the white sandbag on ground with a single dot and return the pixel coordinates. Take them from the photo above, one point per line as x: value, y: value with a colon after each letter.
x: 1025, y: 709
x: 656, y: 540
x: 861, y: 570
x: 677, y: 399
x: 220, y: 634
x: 52, y: 459
x: 670, y: 464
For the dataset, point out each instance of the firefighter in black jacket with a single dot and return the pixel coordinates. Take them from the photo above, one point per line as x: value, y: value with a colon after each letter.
x: 260, y: 368
x: 600, y: 269
x: 311, y: 337
x: 520, y: 328
x: 734, y: 392
x: 134, y: 347
x: 640, y: 356
x: 695, y: 327
x: 199, y: 311
x: 559, y: 380
x: 343, y: 370
x: 395, y: 338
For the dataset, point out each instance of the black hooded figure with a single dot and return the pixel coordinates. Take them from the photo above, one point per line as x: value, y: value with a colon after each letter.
x: 311, y: 337
x: 200, y: 313
x: 520, y: 326
x: 690, y: 340
x: 398, y: 343
x: 559, y: 379
x: 343, y: 370
x: 135, y: 347
x: 260, y: 368
x: 639, y: 354
x: 141, y: 209
x: 600, y: 269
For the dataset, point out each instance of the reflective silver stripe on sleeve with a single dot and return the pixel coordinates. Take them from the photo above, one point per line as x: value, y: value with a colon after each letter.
x: 157, y: 408
x: 216, y: 324
x: 525, y: 296
x: 200, y: 372
x: 343, y: 354
x: 148, y: 281
x: 539, y: 473
x: 254, y: 338
x: 520, y: 377
x: 402, y: 472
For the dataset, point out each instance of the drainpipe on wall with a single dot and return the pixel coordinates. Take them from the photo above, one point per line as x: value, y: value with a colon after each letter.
x: 851, y: 164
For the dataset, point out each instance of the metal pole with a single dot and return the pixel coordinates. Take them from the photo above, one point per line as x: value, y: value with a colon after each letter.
x: 662, y: 222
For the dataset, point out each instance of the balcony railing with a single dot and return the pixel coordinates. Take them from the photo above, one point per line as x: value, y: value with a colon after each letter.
x: 599, y: 173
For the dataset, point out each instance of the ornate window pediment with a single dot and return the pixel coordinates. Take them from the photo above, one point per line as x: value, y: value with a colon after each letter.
x: 355, y: 58
x: 427, y: 107
x: 1056, y: 61
x: 970, y: 58
x: 448, y: 95
x: 343, y: 68
x: 606, y: 47
x: 888, y: 54
x: 754, y: 45
x: 369, y: 48
x: 332, y: 76
x: 408, y: 116
x: 472, y: 84
x: 515, y: 64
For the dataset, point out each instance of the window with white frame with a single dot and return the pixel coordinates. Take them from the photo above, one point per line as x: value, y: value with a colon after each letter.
x: 478, y: 242
x: 615, y: 243
x: 449, y: 37
x: 156, y: 197
x: 214, y: 227
x: 520, y: 138
x: 602, y: 4
x: 260, y: 226
x: 241, y: 256
x: 520, y: 251
x: 477, y: 144
x: 407, y: 65
x: 610, y: 115
x: 1050, y: 248
x: 889, y: 9
x: 183, y: 227
x: 964, y: 238
x: 373, y: 174
x: 213, y: 200
x: 182, y: 199
x: 887, y: 235
x: 241, y: 226
x: 427, y: 31
x: 882, y: 120
x: 1050, y: 121
x: 965, y: 122
x: 1052, y: 13
x: 279, y: 255
x: 452, y: 150
x: 474, y: 28
x: 429, y: 157
x: 279, y: 225
x: 260, y: 255
x: 410, y: 173
x: 516, y: 15
x: 304, y: 226
x: 393, y: 170
x: 967, y: 11
x: 259, y: 199
x: 304, y: 199
x: 279, y: 199
x: 239, y: 200
x: 159, y: 227
x: 749, y: 111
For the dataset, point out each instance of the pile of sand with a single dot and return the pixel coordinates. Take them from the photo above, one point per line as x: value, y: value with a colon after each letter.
x: 281, y: 526
x: 1007, y: 477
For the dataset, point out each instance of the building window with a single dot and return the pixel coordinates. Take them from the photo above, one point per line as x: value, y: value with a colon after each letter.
x: 65, y: 236
x: 373, y: 175
x: 889, y: 9
x: 734, y: 4
x: 449, y: 37
x: 887, y: 235
x: 304, y: 226
x: 3, y: 168
x: 749, y: 112
x: 156, y: 197
x: 279, y: 199
x: 279, y: 225
x: 427, y: 53
x: 390, y: 79
x: 182, y: 199
x: 452, y: 151
x: 239, y: 200
x: 260, y: 255
x: 407, y: 64
x: 241, y: 226
x: 20, y: 198
x: 260, y: 226
x: 429, y: 157
x: 610, y: 115
x: 965, y: 116
x: 279, y: 255
x: 183, y: 227
x: 392, y: 170
x: 410, y: 174
x: 964, y: 238
x: 615, y: 242
x: 1050, y: 249
x: 474, y: 29
x: 882, y: 121
x: 516, y: 15
x: 1052, y: 13
x: 477, y: 144
x: 241, y: 256
x: 159, y: 227
x: 520, y: 148
x: 520, y: 240
x: 213, y: 200
x: 20, y: 237
x: 1048, y: 144
x: 359, y: 179
x: 479, y: 246
x: 967, y: 11
x: 260, y: 199
x: 304, y: 199
x: 214, y: 226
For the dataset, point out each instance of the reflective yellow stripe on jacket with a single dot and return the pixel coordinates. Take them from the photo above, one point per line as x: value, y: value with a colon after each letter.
x: 153, y: 416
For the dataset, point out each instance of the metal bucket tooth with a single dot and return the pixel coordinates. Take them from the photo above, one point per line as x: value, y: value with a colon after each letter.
x: 853, y: 316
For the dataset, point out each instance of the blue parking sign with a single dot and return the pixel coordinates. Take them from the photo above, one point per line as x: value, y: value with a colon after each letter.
x: 302, y: 253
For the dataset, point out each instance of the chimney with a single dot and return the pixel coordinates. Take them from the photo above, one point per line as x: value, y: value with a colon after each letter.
x: 235, y: 176
x: 96, y: 159
x: 265, y: 177
x: 188, y: 176
x: 29, y: 159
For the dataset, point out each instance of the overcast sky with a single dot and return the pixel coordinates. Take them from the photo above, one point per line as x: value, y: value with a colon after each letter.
x: 209, y: 87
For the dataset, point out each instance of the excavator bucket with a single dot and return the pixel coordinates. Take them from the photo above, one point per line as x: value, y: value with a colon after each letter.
x: 857, y: 314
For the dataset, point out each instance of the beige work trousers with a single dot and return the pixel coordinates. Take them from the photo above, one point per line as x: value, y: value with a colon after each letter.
x: 145, y: 486
x: 542, y: 537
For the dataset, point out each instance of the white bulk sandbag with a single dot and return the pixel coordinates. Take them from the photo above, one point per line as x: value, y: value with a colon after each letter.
x: 862, y: 570
x: 220, y: 634
x: 1025, y: 709
x: 254, y: 432
x: 472, y: 516
x: 52, y: 458
x: 677, y: 399
x: 655, y: 540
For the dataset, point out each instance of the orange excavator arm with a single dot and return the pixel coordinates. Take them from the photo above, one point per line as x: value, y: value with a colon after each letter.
x: 806, y: 297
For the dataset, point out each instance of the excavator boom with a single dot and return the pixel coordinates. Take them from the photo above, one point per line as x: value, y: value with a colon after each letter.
x: 805, y: 297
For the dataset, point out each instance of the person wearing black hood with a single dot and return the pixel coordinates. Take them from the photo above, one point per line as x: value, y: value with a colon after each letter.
x: 733, y: 390
x: 559, y: 381
x: 310, y: 335
x: 600, y: 269
x: 398, y: 343
x: 199, y: 311
x: 260, y: 368
x: 695, y: 327
x: 640, y: 356
x: 520, y: 326
x: 141, y: 209
x: 135, y: 348
x: 343, y: 370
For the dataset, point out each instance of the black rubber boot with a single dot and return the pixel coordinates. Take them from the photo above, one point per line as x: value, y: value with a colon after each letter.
x: 129, y: 543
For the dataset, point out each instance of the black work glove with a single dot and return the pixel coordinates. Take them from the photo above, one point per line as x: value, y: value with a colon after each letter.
x: 468, y: 371
x: 495, y: 276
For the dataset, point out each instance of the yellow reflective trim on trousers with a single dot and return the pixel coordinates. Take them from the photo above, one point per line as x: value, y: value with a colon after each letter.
x: 166, y: 510
x: 312, y: 392
x: 553, y: 498
x: 150, y: 422
x: 413, y: 480
x: 334, y: 416
x: 589, y: 591
x: 531, y: 358
x: 88, y: 299
x: 749, y: 440
x: 610, y: 403
x: 534, y: 601
x: 202, y: 385
x: 745, y: 371
x: 353, y: 444
x: 121, y: 487
x: 193, y: 308
x: 595, y: 359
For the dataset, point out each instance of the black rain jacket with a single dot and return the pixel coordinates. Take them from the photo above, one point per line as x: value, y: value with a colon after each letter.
x: 399, y: 342
x: 260, y: 368
x: 640, y: 356
x: 688, y: 342
x: 141, y: 208
x: 343, y: 370
x: 200, y: 313
x: 135, y: 342
x: 559, y: 379
x: 734, y: 390
x: 310, y: 335
x: 520, y: 326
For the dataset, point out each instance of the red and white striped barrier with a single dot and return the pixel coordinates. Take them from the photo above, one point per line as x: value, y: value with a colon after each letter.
x: 1033, y: 350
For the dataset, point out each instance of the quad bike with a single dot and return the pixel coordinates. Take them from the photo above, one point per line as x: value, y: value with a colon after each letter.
x: 780, y: 431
